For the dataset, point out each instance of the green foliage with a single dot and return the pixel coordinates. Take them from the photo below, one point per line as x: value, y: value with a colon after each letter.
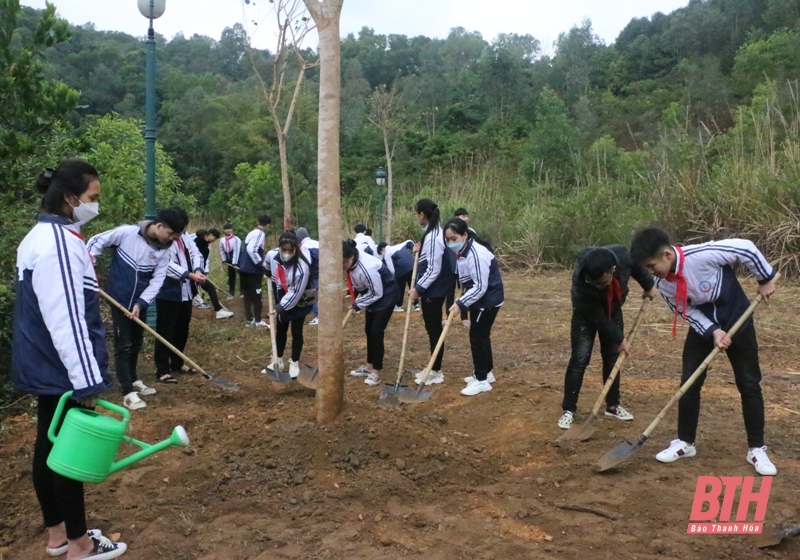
x: 255, y: 190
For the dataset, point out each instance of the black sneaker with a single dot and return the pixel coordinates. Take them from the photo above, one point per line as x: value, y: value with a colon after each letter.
x: 105, y: 549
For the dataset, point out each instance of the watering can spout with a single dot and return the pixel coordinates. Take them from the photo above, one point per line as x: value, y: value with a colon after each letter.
x: 178, y: 438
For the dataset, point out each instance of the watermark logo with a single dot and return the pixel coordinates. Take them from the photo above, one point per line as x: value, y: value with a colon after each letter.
x: 713, y: 505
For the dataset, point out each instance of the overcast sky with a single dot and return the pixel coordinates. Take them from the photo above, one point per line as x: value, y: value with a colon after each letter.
x: 544, y: 19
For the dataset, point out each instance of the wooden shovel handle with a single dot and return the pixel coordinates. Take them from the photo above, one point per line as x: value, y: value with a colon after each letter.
x: 702, y: 367
x: 347, y: 317
x: 620, y: 359
x: 155, y: 335
x: 409, y: 306
x: 272, y: 322
x: 427, y: 371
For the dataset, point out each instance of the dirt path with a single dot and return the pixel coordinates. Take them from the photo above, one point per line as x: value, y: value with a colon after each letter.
x: 453, y: 478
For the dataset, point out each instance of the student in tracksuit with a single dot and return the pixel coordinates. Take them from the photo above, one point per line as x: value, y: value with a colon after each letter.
x: 372, y: 287
x: 59, y: 344
x: 365, y: 242
x: 251, y: 271
x: 230, y: 247
x: 599, y: 290
x: 400, y: 261
x: 699, y: 283
x: 462, y: 214
x: 174, y: 306
x: 483, y: 295
x: 202, y: 240
x: 138, y: 268
x: 290, y: 272
x: 435, y: 279
x: 311, y: 246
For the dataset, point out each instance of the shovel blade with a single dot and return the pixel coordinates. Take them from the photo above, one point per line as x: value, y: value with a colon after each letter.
x: 580, y: 432
x: 773, y: 535
x: 222, y: 382
x: 276, y: 374
x: 308, y: 377
x: 408, y: 395
x: 619, y: 454
x: 388, y: 396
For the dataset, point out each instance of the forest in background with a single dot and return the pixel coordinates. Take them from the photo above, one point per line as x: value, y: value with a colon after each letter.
x: 689, y: 119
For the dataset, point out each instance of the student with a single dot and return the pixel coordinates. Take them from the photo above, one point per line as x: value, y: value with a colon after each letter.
x: 483, y: 295
x: 251, y: 271
x: 372, y: 287
x: 462, y: 214
x: 59, y: 344
x: 599, y: 290
x: 363, y: 241
x: 434, y: 279
x: 137, y: 272
x: 699, y: 283
x: 311, y: 247
x: 400, y: 261
x: 202, y: 240
x: 229, y: 248
x: 174, y: 306
x: 290, y: 272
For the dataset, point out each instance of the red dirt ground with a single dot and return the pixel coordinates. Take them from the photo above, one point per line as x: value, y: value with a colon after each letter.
x: 455, y: 477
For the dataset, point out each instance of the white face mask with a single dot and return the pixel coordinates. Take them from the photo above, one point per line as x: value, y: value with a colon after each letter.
x: 286, y: 257
x: 455, y: 245
x: 85, y: 212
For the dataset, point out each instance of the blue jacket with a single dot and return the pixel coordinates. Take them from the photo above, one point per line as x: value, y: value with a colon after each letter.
x: 403, y: 261
x: 138, y: 266
x: 59, y: 340
x: 177, y: 286
x: 251, y: 260
x: 480, y: 277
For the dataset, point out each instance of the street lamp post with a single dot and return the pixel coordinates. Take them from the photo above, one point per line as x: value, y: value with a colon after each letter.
x: 151, y: 9
x: 380, y: 180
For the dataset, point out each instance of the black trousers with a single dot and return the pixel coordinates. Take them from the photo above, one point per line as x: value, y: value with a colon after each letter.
x: 743, y: 356
x: 432, y: 316
x: 582, y: 336
x: 281, y: 335
x: 404, y: 283
x: 451, y: 299
x: 480, y: 341
x: 231, y: 280
x: 375, y: 326
x: 212, y: 293
x: 251, y: 290
x: 127, y: 345
x: 172, y: 322
x: 60, y: 498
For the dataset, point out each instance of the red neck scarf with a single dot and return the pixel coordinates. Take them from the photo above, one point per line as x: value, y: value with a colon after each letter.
x: 91, y: 258
x: 228, y: 240
x: 681, y: 290
x: 350, y: 287
x: 282, y: 277
x: 614, y: 290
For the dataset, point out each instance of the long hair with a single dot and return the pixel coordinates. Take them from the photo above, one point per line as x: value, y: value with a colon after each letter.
x: 460, y: 227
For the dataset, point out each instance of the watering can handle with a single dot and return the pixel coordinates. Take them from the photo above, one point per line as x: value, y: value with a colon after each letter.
x: 51, y: 432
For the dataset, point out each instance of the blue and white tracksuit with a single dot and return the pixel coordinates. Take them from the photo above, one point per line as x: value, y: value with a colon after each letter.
x: 58, y: 335
x: 366, y: 244
x: 297, y: 276
x: 251, y: 270
x: 230, y: 249
x: 715, y: 301
x: 311, y: 246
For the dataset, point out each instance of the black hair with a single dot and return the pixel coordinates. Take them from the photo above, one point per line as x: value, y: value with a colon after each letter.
x: 460, y: 227
x: 175, y: 219
x: 648, y: 243
x: 71, y: 178
x: 460, y: 212
x: 368, y: 232
x: 214, y: 232
x: 288, y: 237
x: 597, y: 262
x: 349, y: 249
x: 201, y: 233
x: 227, y: 226
x: 360, y: 228
x: 431, y: 211
x: 381, y: 246
x: 264, y: 220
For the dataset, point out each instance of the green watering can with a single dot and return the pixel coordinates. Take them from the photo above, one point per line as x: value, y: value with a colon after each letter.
x: 88, y: 441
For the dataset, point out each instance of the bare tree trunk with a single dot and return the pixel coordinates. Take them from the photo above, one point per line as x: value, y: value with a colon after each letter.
x: 330, y: 392
x: 389, y: 155
x: 287, y: 193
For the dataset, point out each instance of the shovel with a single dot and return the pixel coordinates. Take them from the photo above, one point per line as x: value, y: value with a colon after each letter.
x: 274, y: 372
x: 308, y: 376
x: 772, y: 536
x: 227, y: 294
x: 584, y: 431
x: 625, y: 449
x: 406, y: 395
x: 388, y: 396
x: 222, y: 382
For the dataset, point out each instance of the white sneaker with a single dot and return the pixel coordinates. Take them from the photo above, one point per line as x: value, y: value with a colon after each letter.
x: 261, y: 324
x: 619, y: 413
x: 62, y: 550
x: 250, y: 323
x: 269, y: 367
x: 398, y: 309
x: 373, y: 379
x: 433, y: 378
x: 197, y: 301
x: 361, y: 371
x: 566, y: 420
x: 677, y: 450
x: 466, y: 322
x: 476, y: 388
x: 758, y: 458
x: 314, y: 321
x: 105, y: 549
x: 229, y: 298
x: 489, y: 377
x: 224, y: 314
x: 294, y: 369
x: 143, y: 389
x: 417, y: 308
x: 133, y: 402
